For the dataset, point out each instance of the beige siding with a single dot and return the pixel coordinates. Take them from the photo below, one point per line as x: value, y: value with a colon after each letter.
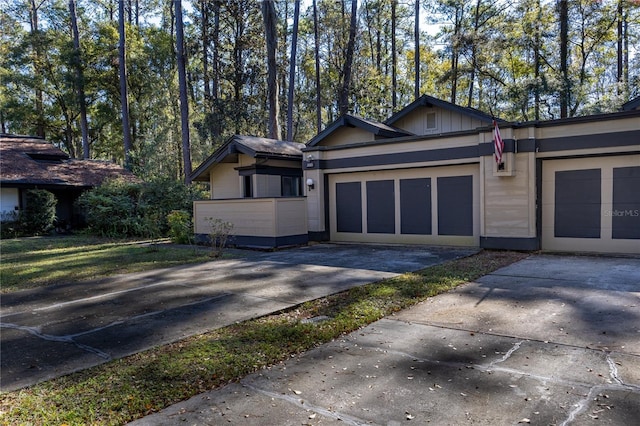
x: 396, y: 175
x: 264, y: 217
x: 225, y: 182
x: 509, y: 201
x: 291, y: 217
x: 588, y: 128
x: 446, y: 121
x: 347, y: 135
x: 315, y: 200
x: 603, y: 244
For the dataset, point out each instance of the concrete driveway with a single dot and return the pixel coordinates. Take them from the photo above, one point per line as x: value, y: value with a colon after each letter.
x: 550, y: 340
x: 52, y: 331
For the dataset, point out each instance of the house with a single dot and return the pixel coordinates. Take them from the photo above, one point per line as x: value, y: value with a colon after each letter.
x: 256, y: 183
x: 427, y: 175
x: 28, y: 162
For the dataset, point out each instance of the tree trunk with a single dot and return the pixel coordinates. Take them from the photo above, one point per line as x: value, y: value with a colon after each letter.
x: 316, y: 52
x: 455, y: 52
x: 394, y: 58
x: 563, y: 13
x: 124, y: 96
x: 536, y: 58
x: 416, y: 35
x: 184, y: 98
x: 474, y: 54
x: 348, y: 62
x: 292, y: 71
x: 270, y: 21
x: 37, y: 55
x: 77, y: 58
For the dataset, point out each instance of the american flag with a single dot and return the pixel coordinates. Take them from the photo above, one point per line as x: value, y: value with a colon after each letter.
x: 498, y: 145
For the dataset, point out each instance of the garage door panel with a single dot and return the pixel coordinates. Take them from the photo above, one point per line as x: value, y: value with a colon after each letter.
x: 591, y: 204
x: 349, y: 207
x: 577, y: 203
x: 402, y: 206
x: 455, y: 205
x: 381, y: 217
x: 415, y: 206
x: 625, y: 215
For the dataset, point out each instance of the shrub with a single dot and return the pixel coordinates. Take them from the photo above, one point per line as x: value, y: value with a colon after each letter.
x: 111, y: 209
x: 39, y: 214
x: 218, y: 234
x: 180, y: 227
x: 124, y: 209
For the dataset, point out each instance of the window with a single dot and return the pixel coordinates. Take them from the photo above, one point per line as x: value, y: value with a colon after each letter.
x: 431, y: 120
x: 248, y: 186
x: 291, y: 186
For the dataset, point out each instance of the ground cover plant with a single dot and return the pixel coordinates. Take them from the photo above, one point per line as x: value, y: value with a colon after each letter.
x: 41, y: 261
x: 131, y: 387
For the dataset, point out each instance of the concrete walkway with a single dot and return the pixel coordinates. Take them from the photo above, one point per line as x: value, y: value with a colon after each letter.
x: 549, y: 340
x: 52, y: 331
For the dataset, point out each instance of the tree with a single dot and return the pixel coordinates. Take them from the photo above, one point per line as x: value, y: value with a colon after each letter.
x: 343, y: 103
x: 184, y: 99
x: 270, y: 29
x: 124, y: 96
x: 292, y: 71
x: 80, y: 79
x: 563, y: 20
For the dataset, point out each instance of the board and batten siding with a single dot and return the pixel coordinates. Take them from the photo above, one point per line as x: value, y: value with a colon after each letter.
x: 509, y: 202
x: 445, y: 121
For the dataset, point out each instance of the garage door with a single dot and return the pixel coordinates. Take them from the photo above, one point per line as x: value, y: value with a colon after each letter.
x: 437, y: 205
x: 591, y: 204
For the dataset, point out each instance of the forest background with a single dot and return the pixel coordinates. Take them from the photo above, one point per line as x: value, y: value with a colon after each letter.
x: 158, y: 84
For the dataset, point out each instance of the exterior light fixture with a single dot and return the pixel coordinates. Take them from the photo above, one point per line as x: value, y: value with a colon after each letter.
x: 310, y: 184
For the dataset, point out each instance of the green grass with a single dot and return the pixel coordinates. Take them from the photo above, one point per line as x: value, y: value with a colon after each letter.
x: 41, y: 261
x: 132, y: 387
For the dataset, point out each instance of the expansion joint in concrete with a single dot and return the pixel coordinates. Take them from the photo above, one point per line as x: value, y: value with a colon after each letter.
x: 59, y: 339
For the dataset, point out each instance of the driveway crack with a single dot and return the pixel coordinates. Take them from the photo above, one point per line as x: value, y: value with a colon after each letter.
x: 58, y: 339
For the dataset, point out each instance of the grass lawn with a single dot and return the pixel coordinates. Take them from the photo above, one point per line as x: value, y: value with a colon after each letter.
x: 129, y: 388
x: 42, y: 261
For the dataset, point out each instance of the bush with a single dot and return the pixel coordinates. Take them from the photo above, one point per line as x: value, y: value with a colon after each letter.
x: 180, y: 227
x: 124, y: 209
x: 218, y: 234
x: 39, y: 213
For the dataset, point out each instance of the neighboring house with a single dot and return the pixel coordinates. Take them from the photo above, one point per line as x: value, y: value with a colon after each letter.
x: 427, y: 176
x: 28, y: 162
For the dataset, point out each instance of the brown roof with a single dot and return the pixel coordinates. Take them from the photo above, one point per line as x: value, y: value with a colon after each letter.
x: 34, y: 161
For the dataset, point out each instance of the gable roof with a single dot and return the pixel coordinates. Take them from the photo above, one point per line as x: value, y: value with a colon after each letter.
x: 348, y: 120
x: 26, y: 160
x: 632, y: 104
x: 430, y: 101
x: 252, y: 146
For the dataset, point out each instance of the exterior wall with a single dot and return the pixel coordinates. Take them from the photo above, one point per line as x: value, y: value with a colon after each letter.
x: 315, y: 201
x: 437, y: 214
x: 9, y: 202
x: 446, y: 121
x: 347, y: 135
x: 509, y: 202
x: 225, y: 182
x: 256, y: 221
